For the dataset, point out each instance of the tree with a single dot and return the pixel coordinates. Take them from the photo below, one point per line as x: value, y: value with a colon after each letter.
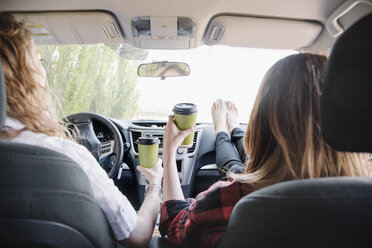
x: 93, y: 78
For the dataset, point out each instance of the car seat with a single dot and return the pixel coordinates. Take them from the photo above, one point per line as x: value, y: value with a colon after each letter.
x: 45, y: 198
x: 324, y: 212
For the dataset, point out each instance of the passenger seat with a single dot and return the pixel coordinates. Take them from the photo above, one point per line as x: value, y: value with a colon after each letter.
x: 325, y: 212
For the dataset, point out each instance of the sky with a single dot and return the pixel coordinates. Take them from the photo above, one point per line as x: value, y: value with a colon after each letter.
x: 216, y: 72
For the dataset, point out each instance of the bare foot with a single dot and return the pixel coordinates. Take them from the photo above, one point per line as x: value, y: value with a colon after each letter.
x: 232, y: 116
x: 218, y: 110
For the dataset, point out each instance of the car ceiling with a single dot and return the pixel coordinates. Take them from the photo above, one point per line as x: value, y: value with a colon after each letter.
x: 203, y: 12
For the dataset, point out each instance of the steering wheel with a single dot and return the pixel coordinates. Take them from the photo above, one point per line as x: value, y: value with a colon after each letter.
x: 110, y: 154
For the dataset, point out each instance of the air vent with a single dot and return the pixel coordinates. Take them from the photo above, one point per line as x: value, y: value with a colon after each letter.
x: 192, y: 149
x: 150, y: 124
x: 135, y: 136
x: 160, y: 137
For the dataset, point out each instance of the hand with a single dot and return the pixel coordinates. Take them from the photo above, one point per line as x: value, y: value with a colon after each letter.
x: 153, y: 174
x: 173, y: 137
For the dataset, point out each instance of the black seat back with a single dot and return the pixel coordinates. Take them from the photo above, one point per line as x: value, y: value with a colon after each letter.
x: 46, y: 199
x: 327, y: 212
x: 346, y: 112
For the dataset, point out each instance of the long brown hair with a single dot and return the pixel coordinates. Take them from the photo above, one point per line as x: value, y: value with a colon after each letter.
x: 283, y: 138
x: 27, y: 99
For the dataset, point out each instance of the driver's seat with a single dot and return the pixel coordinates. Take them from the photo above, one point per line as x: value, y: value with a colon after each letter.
x: 46, y: 200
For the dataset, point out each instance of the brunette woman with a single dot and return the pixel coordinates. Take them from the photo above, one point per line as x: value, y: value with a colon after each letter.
x: 283, y: 142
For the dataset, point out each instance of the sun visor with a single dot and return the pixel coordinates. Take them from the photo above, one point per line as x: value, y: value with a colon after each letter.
x: 72, y: 27
x: 257, y: 32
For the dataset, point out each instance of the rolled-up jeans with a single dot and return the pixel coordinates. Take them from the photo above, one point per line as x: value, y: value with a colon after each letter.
x: 230, y: 153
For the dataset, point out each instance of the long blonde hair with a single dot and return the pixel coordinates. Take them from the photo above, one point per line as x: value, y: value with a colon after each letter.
x: 27, y: 100
x: 283, y: 138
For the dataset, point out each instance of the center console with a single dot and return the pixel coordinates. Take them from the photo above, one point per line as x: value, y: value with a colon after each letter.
x: 185, y: 157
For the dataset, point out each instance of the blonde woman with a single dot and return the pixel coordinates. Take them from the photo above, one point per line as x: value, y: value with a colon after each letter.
x: 31, y: 120
x: 283, y: 141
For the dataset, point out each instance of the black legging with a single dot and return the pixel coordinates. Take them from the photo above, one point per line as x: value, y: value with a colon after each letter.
x: 230, y: 153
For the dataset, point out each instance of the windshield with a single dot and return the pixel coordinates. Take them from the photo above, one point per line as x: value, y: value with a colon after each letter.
x: 103, y: 79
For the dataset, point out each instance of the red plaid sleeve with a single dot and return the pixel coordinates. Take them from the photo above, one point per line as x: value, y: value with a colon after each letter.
x: 204, y: 218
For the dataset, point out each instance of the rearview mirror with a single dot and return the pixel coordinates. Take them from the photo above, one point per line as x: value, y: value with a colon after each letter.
x: 163, y: 69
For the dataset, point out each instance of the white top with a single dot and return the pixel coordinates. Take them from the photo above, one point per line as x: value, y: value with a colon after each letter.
x: 118, y: 210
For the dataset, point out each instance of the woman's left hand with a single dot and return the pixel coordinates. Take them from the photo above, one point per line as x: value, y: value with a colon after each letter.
x: 153, y: 174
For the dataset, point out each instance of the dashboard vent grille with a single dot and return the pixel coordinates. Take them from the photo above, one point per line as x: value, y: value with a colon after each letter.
x: 150, y: 124
x: 135, y: 136
x: 192, y: 149
x: 160, y: 137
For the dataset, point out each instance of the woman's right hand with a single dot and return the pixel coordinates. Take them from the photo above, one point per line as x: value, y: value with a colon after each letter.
x: 153, y: 174
x: 173, y: 137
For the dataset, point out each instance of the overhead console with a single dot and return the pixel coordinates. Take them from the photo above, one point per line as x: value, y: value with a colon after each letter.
x: 50, y: 28
x: 159, y: 32
x: 261, y: 32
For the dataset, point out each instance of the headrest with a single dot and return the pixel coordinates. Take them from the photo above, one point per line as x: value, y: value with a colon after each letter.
x: 346, y: 103
x: 2, y: 97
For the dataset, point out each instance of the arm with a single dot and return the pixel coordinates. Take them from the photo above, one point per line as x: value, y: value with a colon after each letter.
x: 172, y: 139
x: 146, y: 217
x: 203, y: 219
x: 171, y: 183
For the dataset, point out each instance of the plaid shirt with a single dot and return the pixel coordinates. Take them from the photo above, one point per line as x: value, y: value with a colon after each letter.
x: 203, y: 219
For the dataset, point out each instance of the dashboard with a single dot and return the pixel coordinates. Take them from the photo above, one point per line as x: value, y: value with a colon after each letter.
x: 105, y: 136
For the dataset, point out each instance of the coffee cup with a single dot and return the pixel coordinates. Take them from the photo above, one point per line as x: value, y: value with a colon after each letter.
x: 148, y: 147
x: 185, y: 117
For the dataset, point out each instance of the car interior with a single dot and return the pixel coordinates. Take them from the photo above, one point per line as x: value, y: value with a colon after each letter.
x: 46, y: 200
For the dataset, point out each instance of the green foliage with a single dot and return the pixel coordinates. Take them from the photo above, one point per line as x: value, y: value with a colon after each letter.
x: 148, y: 70
x: 185, y: 68
x: 91, y: 78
